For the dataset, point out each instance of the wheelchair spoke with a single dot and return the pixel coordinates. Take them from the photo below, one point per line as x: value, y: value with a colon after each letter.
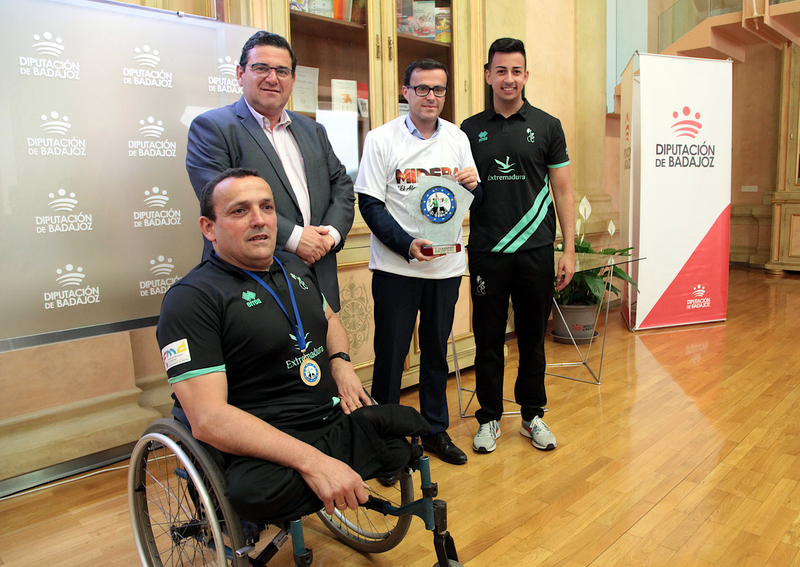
x: 171, y: 523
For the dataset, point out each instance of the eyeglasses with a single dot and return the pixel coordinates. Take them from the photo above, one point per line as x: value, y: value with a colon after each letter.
x: 423, y: 90
x: 262, y: 70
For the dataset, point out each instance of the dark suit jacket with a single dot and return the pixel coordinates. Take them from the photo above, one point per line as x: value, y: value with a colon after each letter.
x: 231, y: 137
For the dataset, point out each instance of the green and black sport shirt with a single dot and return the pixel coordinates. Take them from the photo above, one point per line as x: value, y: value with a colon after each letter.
x: 513, y: 156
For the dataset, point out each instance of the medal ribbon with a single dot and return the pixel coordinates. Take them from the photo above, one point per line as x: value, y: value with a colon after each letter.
x: 298, y: 329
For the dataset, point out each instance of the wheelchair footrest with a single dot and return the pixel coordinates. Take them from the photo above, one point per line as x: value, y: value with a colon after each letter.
x: 272, y: 548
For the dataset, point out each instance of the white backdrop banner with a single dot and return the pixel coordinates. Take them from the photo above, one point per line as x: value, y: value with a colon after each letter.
x: 680, y: 193
x: 98, y: 216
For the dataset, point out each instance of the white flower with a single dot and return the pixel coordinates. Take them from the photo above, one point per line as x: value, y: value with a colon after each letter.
x: 585, y: 209
x: 611, y: 228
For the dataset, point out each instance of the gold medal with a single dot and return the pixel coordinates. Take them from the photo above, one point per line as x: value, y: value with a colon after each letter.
x: 310, y: 372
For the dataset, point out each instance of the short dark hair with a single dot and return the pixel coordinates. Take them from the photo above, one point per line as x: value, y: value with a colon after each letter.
x: 506, y: 45
x: 424, y: 65
x: 262, y: 37
x: 207, y: 194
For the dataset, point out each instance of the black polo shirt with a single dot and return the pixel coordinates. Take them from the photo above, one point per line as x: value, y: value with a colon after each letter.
x: 217, y: 318
x: 513, y: 156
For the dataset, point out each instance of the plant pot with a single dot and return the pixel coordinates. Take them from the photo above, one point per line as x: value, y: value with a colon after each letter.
x: 580, y: 320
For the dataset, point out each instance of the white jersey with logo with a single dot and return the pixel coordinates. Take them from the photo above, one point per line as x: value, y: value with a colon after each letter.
x: 393, y: 159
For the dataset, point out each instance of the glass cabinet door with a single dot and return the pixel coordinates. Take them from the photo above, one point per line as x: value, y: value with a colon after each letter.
x: 424, y: 28
x: 331, y: 39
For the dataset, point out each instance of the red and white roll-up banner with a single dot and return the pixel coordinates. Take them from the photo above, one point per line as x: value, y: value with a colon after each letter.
x: 675, y: 141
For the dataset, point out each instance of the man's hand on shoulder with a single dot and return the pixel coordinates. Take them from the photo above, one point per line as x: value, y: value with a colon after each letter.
x: 315, y: 242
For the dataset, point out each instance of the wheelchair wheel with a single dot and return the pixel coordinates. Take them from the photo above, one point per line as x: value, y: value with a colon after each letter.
x: 370, y: 531
x: 176, y: 496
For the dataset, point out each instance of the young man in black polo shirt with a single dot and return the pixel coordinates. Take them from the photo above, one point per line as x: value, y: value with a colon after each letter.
x: 521, y: 153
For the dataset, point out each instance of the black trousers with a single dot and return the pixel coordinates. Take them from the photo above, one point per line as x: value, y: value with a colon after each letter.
x: 527, y: 278
x: 265, y: 492
x: 397, y: 299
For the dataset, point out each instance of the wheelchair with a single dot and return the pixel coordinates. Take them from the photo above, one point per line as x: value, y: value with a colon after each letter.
x: 180, y: 515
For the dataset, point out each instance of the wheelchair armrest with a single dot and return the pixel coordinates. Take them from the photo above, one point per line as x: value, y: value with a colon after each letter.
x: 416, y: 452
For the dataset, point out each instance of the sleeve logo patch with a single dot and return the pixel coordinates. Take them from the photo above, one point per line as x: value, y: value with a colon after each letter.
x: 176, y: 353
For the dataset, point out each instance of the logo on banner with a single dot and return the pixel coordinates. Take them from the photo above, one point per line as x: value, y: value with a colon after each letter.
x: 686, y: 127
x: 70, y: 276
x: 227, y: 82
x: 506, y: 168
x: 227, y: 66
x: 627, y: 128
x: 145, y: 58
x: 61, y: 202
x: 58, y: 124
x: 73, y: 292
x: 152, y: 128
x: 146, y: 74
x: 44, y: 46
x: 626, y: 153
x: 157, y: 199
x: 162, y: 268
x: 52, y: 47
x: 700, y: 300
x: 55, y: 124
x: 677, y: 154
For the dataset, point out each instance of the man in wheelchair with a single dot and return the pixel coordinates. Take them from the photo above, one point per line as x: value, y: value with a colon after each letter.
x: 258, y: 362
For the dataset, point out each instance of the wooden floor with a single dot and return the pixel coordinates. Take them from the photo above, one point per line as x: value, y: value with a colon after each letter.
x: 688, y: 454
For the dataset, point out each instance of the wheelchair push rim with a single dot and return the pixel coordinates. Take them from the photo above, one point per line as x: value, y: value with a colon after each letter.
x: 176, y: 511
x: 371, y: 531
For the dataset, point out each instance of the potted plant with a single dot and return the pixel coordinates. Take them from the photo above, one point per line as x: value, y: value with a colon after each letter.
x: 580, y: 299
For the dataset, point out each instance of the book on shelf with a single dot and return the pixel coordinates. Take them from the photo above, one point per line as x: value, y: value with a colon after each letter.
x: 424, y: 16
x: 444, y: 25
x: 299, y: 5
x: 344, y: 94
x: 343, y: 10
x: 321, y: 7
x: 363, y: 100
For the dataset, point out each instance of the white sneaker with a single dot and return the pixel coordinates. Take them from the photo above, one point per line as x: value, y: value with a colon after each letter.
x: 540, y: 435
x: 484, y: 438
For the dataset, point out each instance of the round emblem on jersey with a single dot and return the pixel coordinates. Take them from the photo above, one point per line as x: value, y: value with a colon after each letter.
x: 309, y: 372
x: 438, y: 204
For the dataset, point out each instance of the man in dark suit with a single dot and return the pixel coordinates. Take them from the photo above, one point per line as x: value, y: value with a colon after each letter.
x: 292, y: 153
